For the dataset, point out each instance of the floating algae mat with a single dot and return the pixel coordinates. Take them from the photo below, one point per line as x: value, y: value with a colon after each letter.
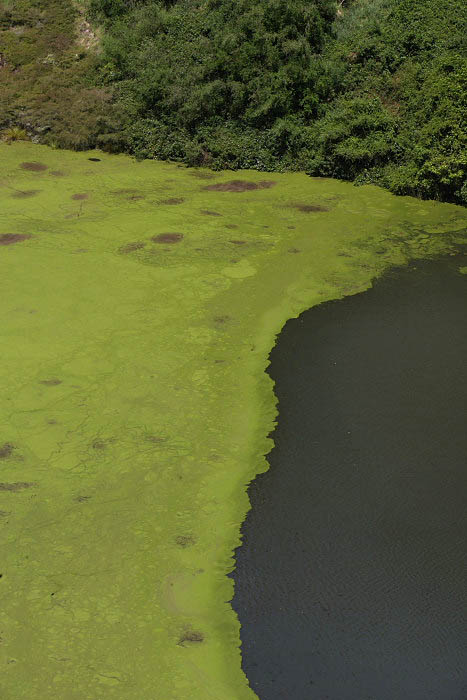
x: 139, y: 303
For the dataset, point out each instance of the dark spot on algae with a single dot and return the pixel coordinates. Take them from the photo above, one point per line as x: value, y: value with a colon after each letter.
x: 34, y: 167
x: 291, y: 227
x: 193, y: 636
x: 24, y: 194
x: 82, y: 499
x: 231, y: 226
x: 16, y: 486
x: 307, y: 208
x: 221, y: 319
x: 98, y: 445
x: 167, y: 238
x: 293, y: 250
x: 239, y: 186
x: 4, y: 513
x: 156, y: 439
x: 131, y: 247
x: 9, y: 238
x: 129, y: 194
x: 207, y: 212
x: 173, y: 200
x: 57, y: 173
x: 80, y: 196
x: 185, y: 540
x: 95, y: 160
x: 6, y: 450
x: 51, y: 382
x: 238, y: 242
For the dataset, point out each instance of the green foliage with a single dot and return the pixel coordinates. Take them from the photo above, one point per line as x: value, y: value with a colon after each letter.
x: 410, y: 58
x: 366, y: 90
x: 14, y: 133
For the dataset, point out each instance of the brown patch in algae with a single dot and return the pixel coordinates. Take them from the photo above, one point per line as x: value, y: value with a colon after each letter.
x: 239, y: 186
x: 34, y: 167
x: 24, y: 194
x: 173, y: 200
x: 194, y: 636
x: 6, y: 450
x: 307, y: 208
x: 167, y: 238
x: 131, y: 247
x: 207, y: 212
x: 9, y: 238
x: 51, y: 382
x: 129, y: 194
x: 16, y: 486
x: 185, y: 540
x: 80, y: 196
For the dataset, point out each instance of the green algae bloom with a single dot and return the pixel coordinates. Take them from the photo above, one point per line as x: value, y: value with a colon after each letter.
x: 139, y: 305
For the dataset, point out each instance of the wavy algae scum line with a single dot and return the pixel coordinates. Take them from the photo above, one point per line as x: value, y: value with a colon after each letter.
x: 139, y: 302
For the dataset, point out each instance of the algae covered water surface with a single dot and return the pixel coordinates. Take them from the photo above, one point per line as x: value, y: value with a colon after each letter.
x: 139, y: 302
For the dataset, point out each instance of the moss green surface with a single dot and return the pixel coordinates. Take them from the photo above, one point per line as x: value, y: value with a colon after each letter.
x: 135, y: 407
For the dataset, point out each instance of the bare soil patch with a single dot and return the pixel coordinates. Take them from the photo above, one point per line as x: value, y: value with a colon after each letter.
x: 231, y: 226
x: 239, y: 186
x: 51, y: 382
x: 80, y: 196
x: 207, y: 212
x: 10, y: 238
x: 238, y: 242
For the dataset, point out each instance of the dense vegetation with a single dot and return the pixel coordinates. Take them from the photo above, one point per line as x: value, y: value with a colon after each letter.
x: 372, y: 90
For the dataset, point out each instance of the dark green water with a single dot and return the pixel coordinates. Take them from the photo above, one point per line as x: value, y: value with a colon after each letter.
x: 351, y: 583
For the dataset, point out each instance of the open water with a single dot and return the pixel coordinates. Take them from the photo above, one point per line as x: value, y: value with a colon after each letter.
x: 351, y: 582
